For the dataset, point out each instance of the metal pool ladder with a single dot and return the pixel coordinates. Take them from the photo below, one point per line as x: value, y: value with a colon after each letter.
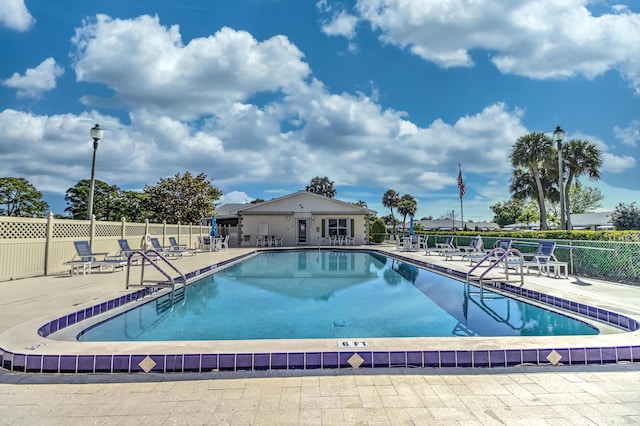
x: 497, y: 256
x: 148, y: 256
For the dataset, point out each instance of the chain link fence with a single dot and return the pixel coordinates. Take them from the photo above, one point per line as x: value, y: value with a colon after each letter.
x: 607, y: 260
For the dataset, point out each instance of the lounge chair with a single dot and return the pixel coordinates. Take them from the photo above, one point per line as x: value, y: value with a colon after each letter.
x: 475, y: 247
x: 224, y: 243
x: 165, y: 251
x: 543, y: 259
x: 423, y: 242
x: 182, y: 247
x: 85, y: 259
x: 128, y: 252
x: 441, y: 248
x: 501, y: 246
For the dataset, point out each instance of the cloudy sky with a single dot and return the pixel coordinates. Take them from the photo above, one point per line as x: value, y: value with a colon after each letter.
x: 264, y: 95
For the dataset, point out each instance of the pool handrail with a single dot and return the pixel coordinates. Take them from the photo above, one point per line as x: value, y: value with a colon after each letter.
x: 158, y: 256
x: 502, y: 256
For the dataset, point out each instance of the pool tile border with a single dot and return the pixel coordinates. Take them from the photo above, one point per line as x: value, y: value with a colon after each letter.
x: 212, y: 362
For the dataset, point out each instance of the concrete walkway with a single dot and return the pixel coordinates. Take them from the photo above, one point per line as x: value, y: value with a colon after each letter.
x: 524, y: 395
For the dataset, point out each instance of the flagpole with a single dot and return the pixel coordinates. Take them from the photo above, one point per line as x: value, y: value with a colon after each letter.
x: 463, y: 191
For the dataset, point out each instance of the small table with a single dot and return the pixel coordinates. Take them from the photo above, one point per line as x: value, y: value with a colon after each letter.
x: 557, y: 268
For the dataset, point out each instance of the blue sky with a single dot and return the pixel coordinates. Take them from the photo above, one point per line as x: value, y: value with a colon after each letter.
x: 264, y: 95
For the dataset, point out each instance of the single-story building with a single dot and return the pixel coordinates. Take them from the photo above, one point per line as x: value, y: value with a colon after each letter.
x: 450, y: 224
x: 579, y: 221
x: 302, y: 219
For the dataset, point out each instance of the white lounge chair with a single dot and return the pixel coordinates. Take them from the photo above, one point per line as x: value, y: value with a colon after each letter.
x: 85, y: 260
x: 475, y: 247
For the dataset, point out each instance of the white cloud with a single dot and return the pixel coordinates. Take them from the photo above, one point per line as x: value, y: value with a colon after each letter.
x: 14, y: 15
x: 629, y: 135
x: 36, y: 80
x: 533, y: 38
x: 342, y: 24
x: 235, y: 197
x: 147, y: 65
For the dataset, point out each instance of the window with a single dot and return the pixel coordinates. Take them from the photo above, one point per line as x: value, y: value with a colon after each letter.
x: 337, y: 227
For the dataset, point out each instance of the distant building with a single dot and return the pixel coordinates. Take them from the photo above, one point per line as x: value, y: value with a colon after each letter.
x: 456, y: 225
x: 582, y: 221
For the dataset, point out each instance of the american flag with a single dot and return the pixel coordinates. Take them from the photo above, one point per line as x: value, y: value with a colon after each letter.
x: 463, y: 190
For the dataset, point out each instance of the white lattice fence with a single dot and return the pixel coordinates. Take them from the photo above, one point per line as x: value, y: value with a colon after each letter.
x: 36, y: 246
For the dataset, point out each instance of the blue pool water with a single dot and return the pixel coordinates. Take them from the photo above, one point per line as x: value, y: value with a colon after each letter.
x: 331, y: 294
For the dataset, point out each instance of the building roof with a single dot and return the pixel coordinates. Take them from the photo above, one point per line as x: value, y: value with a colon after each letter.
x: 295, y: 202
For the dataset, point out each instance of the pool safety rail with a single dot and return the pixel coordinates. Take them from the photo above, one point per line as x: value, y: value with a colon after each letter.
x: 153, y: 257
x: 497, y: 257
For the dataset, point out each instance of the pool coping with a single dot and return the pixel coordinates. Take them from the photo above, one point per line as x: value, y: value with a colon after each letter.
x: 353, y: 353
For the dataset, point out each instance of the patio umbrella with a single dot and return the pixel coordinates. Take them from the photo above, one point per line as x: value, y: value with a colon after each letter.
x: 213, y: 226
x: 411, y: 225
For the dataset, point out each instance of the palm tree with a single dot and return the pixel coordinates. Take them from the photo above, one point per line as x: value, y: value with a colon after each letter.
x: 407, y: 206
x: 390, y: 199
x: 532, y: 152
x: 580, y: 157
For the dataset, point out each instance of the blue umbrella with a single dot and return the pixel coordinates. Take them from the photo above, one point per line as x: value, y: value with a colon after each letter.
x: 213, y: 227
x: 411, y: 225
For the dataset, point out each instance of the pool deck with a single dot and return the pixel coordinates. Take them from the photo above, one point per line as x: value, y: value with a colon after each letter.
x: 589, y: 394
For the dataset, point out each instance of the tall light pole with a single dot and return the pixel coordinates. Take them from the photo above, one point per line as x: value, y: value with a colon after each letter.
x: 558, y: 136
x: 96, y: 134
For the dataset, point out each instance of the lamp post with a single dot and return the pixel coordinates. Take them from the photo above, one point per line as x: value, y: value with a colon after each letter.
x: 96, y: 134
x: 453, y: 220
x: 558, y: 136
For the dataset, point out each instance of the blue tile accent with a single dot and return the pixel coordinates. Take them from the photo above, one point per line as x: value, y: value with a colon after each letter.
x: 262, y: 361
x: 464, y: 359
x: 414, y: 359
x: 244, y: 362
x: 279, y: 361
x: 481, y: 359
x: 431, y: 359
x: 448, y: 359
x: 209, y: 362
x: 498, y: 358
x: 578, y: 356
x: 192, y: 363
x: 34, y: 363
x: 86, y: 363
x: 313, y: 360
x: 381, y: 359
x: 227, y: 362
x: 68, y: 363
x: 330, y: 360
x: 120, y: 364
x: 398, y: 359
x: 296, y: 361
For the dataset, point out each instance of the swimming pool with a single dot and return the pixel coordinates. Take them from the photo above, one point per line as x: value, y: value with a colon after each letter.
x: 331, y: 295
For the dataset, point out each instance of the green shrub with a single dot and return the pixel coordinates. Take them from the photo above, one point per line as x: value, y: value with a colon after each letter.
x: 378, y: 231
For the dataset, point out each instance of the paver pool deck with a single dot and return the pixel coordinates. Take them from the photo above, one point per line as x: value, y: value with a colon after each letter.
x: 590, y: 394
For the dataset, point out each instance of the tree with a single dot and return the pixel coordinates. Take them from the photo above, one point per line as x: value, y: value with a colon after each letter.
x: 322, y: 186
x: 378, y: 231
x: 361, y: 203
x: 584, y: 199
x: 407, y: 205
x: 104, y: 200
x: 508, y: 212
x: 19, y: 198
x: 181, y: 198
x: 534, y: 152
x: 390, y: 200
x: 580, y: 157
x: 626, y: 217
x: 130, y: 205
